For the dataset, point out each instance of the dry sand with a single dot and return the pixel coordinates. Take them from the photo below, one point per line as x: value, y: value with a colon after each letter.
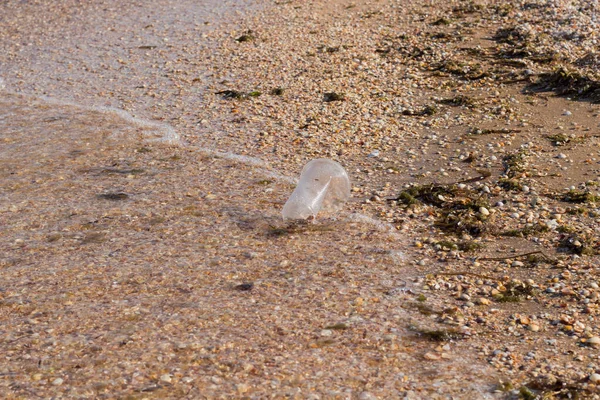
x: 137, y: 268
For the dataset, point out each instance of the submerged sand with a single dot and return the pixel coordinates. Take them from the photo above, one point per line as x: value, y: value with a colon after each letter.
x: 143, y: 253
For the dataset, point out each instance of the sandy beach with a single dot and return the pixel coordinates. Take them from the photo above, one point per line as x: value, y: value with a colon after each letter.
x: 147, y: 150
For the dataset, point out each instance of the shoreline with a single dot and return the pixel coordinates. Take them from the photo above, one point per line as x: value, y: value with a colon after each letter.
x: 169, y: 268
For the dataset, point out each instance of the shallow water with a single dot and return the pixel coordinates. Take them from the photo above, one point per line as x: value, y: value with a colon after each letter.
x: 86, y: 92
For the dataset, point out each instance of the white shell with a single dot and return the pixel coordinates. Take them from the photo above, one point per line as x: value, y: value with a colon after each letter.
x: 324, y: 186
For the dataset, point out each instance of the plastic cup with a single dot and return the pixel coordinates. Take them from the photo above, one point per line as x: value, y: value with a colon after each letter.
x: 324, y: 186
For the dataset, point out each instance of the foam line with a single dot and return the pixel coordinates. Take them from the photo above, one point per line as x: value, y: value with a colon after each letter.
x: 171, y: 136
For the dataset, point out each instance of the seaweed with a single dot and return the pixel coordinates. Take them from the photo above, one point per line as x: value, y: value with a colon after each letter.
x: 519, y: 289
x: 459, y: 101
x: 424, y: 112
x: 295, y: 227
x: 232, y: 94
x: 340, y: 326
x: 470, y: 245
x: 333, y: 96
x: 578, y: 196
x: 471, y: 72
x: 515, y: 163
x: 509, y: 184
x: 439, y: 335
x: 482, y: 131
x: 468, y: 8
x: 458, y: 208
x: 511, y: 35
x: 441, y: 21
x: 426, y: 309
x: 244, y: 287
x: 565, y: 82
x: 238, y: 95
x: 526, y: 394
x: 460, y: 221
x: 559, y: 139
x: 506, y: 298
x: 554, y: 389
x: 247, y: 36
x: 114, y: 196
x: 578, y: 244
x: 526, y: 231
x: 434, y: 195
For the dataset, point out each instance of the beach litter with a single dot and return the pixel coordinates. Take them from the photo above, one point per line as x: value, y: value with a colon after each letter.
x: 324, y: 186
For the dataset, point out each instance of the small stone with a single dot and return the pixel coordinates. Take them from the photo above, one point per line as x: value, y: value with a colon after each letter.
x: 431, y: 357
x: 464, y: 296
x: 242, y: 388
x: 484, y: 211
x: 37, y: 377
x: 534, y: 327
x: 594, y: 341
x: 595, y: 378
x: 517, y: 264
x: 562, y: 156
x: 58, y: 381
x: 326, y: 332
x: 367, y: 396
x: 166, y: 378
x: 483, y: 301
x: 567, y: 113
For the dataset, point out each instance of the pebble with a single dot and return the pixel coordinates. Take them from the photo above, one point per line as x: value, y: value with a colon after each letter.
x: 483, y: 301
x: 595, y: 378
x: 562, y: 156
x: 568, y: 113
x: 326, y: 332
x: 484, y: 211
x: 367, y: 396
x: 431, y: 357
x: 166, y: 378
x: 242, y: 388
x: 594, y: 341
x: 58, y: 381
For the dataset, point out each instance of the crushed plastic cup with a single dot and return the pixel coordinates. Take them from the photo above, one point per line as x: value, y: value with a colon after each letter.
x: 324, y: 186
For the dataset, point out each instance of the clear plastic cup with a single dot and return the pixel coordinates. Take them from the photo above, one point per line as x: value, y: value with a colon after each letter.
x: 324, y: 186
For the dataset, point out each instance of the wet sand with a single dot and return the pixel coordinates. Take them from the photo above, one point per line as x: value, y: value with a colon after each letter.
x: 142, y: 268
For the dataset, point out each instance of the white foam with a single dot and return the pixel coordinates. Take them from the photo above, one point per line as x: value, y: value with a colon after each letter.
x: 171, y: 136
x: 167, y: 133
